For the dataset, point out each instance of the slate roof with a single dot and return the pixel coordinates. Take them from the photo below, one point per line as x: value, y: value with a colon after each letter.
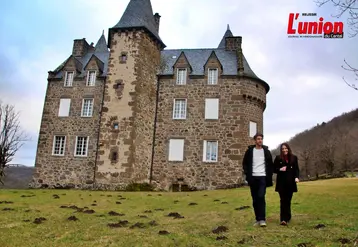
x: 101, y: 52
x: 139, y: 14
x: 197, y: 59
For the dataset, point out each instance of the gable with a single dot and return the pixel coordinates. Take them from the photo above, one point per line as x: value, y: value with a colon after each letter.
x: 94, y: 64
x: 213, y: 62
x: 70, y: 63
x: 182, y: 62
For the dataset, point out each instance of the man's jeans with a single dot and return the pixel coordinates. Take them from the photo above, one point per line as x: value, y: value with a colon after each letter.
x: 258, y: 192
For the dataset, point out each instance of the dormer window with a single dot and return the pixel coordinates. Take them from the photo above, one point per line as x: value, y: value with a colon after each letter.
x: 213, y: 76
x: 69, y: 78
x: 91, y: 78
x: 181, y: 76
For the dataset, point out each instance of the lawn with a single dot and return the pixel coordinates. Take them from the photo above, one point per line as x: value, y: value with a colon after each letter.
x: 332, y: 205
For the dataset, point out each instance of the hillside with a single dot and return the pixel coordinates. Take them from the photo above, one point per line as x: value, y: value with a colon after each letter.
x: 328, y: 148
x: 17, y: 177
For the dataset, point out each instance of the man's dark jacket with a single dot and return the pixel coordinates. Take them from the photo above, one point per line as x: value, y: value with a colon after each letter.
x: 247, y: 164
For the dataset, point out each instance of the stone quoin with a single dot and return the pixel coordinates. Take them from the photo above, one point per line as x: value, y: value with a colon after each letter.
x: 132, y: 111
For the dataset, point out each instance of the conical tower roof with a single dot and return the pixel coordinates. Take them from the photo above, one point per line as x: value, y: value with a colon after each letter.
x: 139, y: 14
x: 101, y: 45
x: 228, y: 33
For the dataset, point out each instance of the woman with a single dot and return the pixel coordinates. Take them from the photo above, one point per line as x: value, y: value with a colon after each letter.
x: 286, y: 167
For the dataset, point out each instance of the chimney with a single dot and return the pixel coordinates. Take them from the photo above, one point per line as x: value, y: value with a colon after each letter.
x: 233, y: 43
x: 157, y: 21
x: 80, y: 47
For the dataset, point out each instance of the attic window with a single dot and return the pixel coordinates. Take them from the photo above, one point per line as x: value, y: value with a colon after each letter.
x: 91, y: 78
x: 181, y: 76
x: 69, y: 78
x: 123, y: 58
x: 213, y: 76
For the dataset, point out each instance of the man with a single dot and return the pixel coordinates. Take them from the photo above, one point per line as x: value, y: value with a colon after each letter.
x: 258, y: 169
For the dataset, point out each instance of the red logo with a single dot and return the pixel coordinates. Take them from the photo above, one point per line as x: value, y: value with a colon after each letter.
x: 305, y: 29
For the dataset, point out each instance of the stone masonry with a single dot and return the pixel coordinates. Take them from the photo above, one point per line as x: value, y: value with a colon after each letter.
x: 129, y: 102
x: 133, y: 103
x: 231, y: 132
x: 68, y: 170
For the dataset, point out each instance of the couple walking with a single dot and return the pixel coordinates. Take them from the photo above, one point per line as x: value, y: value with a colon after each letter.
x: 259, y: 168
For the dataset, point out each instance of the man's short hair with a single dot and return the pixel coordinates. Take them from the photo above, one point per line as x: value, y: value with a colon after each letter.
x: 257, y: 135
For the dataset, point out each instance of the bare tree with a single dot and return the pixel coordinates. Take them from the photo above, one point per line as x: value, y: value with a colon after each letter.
x: 12, y: 136
x: 346, y: 141
x: 350, y: 8
x: 327, y: 150
x: 306, y: 155
x: 348, y: 67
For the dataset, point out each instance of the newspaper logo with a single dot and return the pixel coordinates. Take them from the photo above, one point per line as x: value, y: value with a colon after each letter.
x: 313, y: 29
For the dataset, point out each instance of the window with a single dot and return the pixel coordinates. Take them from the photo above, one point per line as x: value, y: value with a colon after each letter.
x: 91, y: 78
x: 123, y: 58
x: 213, y: 76
x: 176, y: 150
x: 114, y: 156
x: 87, y: 108
x: 69, y: 78
x: 64, y: 109
x: 210, y: 151
x: 211, y: 108
x: 181, y: 77
x: 81, y: 146
x: 59, y: 143
x: 253, y: 128
x: 179, y: 110
x: 116, y: 126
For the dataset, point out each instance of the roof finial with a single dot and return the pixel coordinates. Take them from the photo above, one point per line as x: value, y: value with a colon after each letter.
x: 228, y: 27
x: 103, y: 32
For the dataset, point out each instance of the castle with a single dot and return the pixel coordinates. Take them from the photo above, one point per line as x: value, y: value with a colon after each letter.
x: 131, y: 111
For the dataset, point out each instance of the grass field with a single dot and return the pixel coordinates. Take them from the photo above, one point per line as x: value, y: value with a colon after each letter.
x: 332, y: 203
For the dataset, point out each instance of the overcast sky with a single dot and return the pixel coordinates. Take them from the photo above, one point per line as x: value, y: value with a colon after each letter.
x: 305, y: 75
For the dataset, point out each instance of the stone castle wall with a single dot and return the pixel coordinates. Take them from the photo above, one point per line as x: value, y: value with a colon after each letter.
x: 129, y: 103
x: 68, y: 170
x: 231, y: 131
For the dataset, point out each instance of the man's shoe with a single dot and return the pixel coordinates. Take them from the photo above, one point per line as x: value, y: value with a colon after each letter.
x: 283, y: 223
x: 262, y: 223
x: 256, y: 223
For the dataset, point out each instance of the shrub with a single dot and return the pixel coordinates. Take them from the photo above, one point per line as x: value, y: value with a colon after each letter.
x: 139, y: 187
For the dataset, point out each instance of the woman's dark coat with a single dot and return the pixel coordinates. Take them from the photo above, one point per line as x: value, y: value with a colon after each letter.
x: 285, y: 181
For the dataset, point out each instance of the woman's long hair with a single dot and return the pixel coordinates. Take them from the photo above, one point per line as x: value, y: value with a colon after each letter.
x: 289, y: 154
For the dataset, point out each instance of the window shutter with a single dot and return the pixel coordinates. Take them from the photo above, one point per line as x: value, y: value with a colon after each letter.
x: 253, y: 128
x: 64, y: 109
x: 176, y: 150
x: 211, y: 108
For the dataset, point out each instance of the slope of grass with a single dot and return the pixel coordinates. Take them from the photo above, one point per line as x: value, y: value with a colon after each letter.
x: 332, y: 203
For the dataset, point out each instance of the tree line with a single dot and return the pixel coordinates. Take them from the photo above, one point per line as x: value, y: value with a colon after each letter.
x: 328, y: 148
